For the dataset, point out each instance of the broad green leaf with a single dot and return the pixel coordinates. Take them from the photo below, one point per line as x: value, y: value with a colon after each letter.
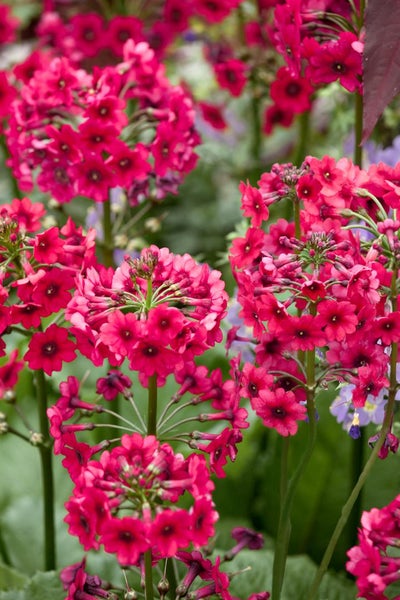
x: 10, y: 578
x: 42, y: 586
x: 45, y: 586
x: 300, y: 571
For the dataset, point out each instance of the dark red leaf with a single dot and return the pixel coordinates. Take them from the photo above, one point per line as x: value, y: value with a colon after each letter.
x: 381, y: 59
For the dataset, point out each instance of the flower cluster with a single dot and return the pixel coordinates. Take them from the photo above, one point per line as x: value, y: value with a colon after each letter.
x: 321, y: 285
x: 374, y: 562
x: 38, y: 271
x: 159, y: 311
x: 90, y: 34
x: 78, y: 582
x: 319, y: 44
x: 126, y: 501
x: 82, y: 134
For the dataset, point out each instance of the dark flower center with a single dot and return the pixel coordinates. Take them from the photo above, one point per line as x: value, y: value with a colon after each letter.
x: 339, y: 67
x: 94, y: 175
x: 49, y: 349
x: 278, y: 411
x: 293, y: 89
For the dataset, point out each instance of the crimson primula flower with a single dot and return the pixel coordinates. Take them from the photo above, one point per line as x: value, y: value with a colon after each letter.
x: 290, y: 92
x: 231, y: 75
x: 59, y: 94
x: 335, y: 60
x: 279, y: 409
x: 48, y: 350
x: 126, y: 500
x: 134, y: 312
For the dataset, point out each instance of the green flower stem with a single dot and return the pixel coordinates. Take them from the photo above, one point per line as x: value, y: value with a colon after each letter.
x: 163, y: 420
x: 284, y: 529
x: 255, y: 149
x: 18, y: 434
x: 152, y: 406
x: 171, y: 578
x: 296, y: 208
x: 358, y: 127
x: 284, y: 526
x: 304, y: 130
x: 12, y: 181
x: 148, y: 576
x: 357, y: 448
x: 107, y: 235
x: 45, y: 450
x: 387, y: 423
x: 108, y: 260
x: 151, y: 430
x: 255, y: 103
x: 351, y: 500
x: 137, y: 413
x: 149, y: 296
x: 356, y: 465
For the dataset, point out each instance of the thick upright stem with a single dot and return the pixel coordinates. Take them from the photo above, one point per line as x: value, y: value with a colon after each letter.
x: 304, y: 126
x: 148, y: 576
x: 107, y: 235
x: 357, y: 449
x: 151, y: 430
x: 357, y: 463
x: 350, y: 503
x: 358, y: 128
x: 256, y: 139
x: 284, y: 527
x: 47, y: 476
x: 296, y: 210
x: 12, y: 181
x: 152, y: 406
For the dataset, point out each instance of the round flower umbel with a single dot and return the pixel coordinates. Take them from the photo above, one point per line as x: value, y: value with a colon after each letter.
x: 158, y: 311
x: 126, y: 501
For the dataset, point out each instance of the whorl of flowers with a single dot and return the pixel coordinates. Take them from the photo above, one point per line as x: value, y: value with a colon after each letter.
x: 37, y: 275
x: 158, y: 311
x: 82, y: 134
x: 125, y: 500
x: 319, y: 284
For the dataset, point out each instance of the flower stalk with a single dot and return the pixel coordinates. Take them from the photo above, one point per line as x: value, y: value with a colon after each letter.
x: 288, y: 492
x: 45, y: 450
x: 386, y: 426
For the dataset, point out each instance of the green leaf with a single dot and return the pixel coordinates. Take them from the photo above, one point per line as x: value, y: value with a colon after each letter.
x: 42, y: 586
x: 10, y: 578
x: 299, y: 574
x: 45, y: 586
x: 13, y: 595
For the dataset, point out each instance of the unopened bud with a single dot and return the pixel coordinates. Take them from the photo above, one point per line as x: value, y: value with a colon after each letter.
x: 121, y: 240
x: 153, y: 225
x: 130, y: 595
x: 9, y: 396
x: 163, y: 587
x: 36, y: 439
